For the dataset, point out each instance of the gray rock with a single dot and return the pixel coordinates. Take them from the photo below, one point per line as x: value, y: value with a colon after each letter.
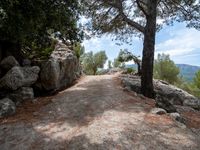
x: 177, y: 117
x: 163, y: 102
x: 22, y: 94
x: 175, y: 95
x: 7, y: 107
x: 132, y: 83
x: 26, y: 63
x: 158, y: 111
x: 19, y: 77
x: 9, y: 62
x: 167, y: 95
x: 60, y: 70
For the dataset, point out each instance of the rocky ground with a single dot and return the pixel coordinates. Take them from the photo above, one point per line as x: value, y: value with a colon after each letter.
x: 97, y: 113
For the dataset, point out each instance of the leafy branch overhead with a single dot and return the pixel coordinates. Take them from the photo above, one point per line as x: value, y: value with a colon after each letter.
x: 30, y: 24
x: 125, y: 17
x: 125, y: 56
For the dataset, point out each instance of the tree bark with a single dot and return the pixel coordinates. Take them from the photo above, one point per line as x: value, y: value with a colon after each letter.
x: 139, y: 69
x: 148, y: 51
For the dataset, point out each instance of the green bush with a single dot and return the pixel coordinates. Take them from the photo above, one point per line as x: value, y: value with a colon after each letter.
x: 165, y: 69
x: 40, y: 52
x: 130, y: 70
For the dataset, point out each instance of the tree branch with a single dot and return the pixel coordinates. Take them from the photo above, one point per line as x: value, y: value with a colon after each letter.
x: 118, y: 5
x: 141, y: 8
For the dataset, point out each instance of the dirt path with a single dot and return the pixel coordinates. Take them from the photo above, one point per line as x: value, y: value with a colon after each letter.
x: 95, y: 114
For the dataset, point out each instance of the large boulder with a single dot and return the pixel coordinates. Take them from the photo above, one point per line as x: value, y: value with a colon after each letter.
x: 60, y: 70
x: 167, y: 95
x: 174, y: 95
x: 22, y: 94
x: 19, y: 77
x: 9, y: 62
x: 7, y: 107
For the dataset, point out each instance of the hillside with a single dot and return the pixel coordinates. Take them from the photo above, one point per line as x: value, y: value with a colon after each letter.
x: 188, y: 71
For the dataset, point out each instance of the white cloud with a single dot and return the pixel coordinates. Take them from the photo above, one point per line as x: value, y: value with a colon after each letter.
x: 182, y: 42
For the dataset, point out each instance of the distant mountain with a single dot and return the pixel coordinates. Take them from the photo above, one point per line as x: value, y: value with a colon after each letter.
x: 134, y: 66
x: 187, y: 71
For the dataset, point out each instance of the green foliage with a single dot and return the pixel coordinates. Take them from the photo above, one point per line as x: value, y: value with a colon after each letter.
x: 116, y: 63
x: 120, y: 17
x: 194, y: 87
x: 31, y: 23
x: 165, y: 69
x: 190, y: 88
x: 91, y: 62
x: 109, y: 64
x: 197, y: 80
x: 130, y: 70
x: 78, y: 49
x: 125, y: 56
x: 39, y: 52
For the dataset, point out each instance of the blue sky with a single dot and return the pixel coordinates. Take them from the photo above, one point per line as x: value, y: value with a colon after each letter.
x: 181, y: 43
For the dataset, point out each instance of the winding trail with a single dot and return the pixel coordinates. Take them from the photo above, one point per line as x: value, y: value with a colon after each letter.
x: 95, y: 114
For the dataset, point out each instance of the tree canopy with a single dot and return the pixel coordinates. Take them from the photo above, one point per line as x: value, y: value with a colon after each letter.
x: 91, y: 62
x: 30, y: 23
x: 125, y: 18
x: 165, y: 69
x: 109, y: 64
x: 197, y: 80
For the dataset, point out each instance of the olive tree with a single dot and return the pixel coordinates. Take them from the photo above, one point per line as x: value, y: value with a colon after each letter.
x: 91, y: 62
x: 125, y: 56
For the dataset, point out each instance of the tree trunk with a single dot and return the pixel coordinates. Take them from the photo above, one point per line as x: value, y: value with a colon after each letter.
x: 94, y: 71
x: 139, y: 69
x: 148, y: 51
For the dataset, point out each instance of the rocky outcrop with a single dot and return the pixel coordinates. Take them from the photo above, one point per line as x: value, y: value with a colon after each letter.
x: 163, y: 102
x: 167, y: 95
x: 15, y: 84
x: 21, y: 83
x: 8, y: 62
x: 22, y: 94
x: 60, y: 70
x: 19, y: 77
x: 7, y: 107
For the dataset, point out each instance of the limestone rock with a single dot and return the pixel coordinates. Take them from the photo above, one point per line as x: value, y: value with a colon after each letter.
x: 163, y: 102
x: 22, y: 94
x: 177, y: 117
x: 9, y: 62
x: 7, y: 107
x: 60, y: 70
x: 158, y: 111
x: 175, y: 95
x: 167, y: 95
x: 19, y: 77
